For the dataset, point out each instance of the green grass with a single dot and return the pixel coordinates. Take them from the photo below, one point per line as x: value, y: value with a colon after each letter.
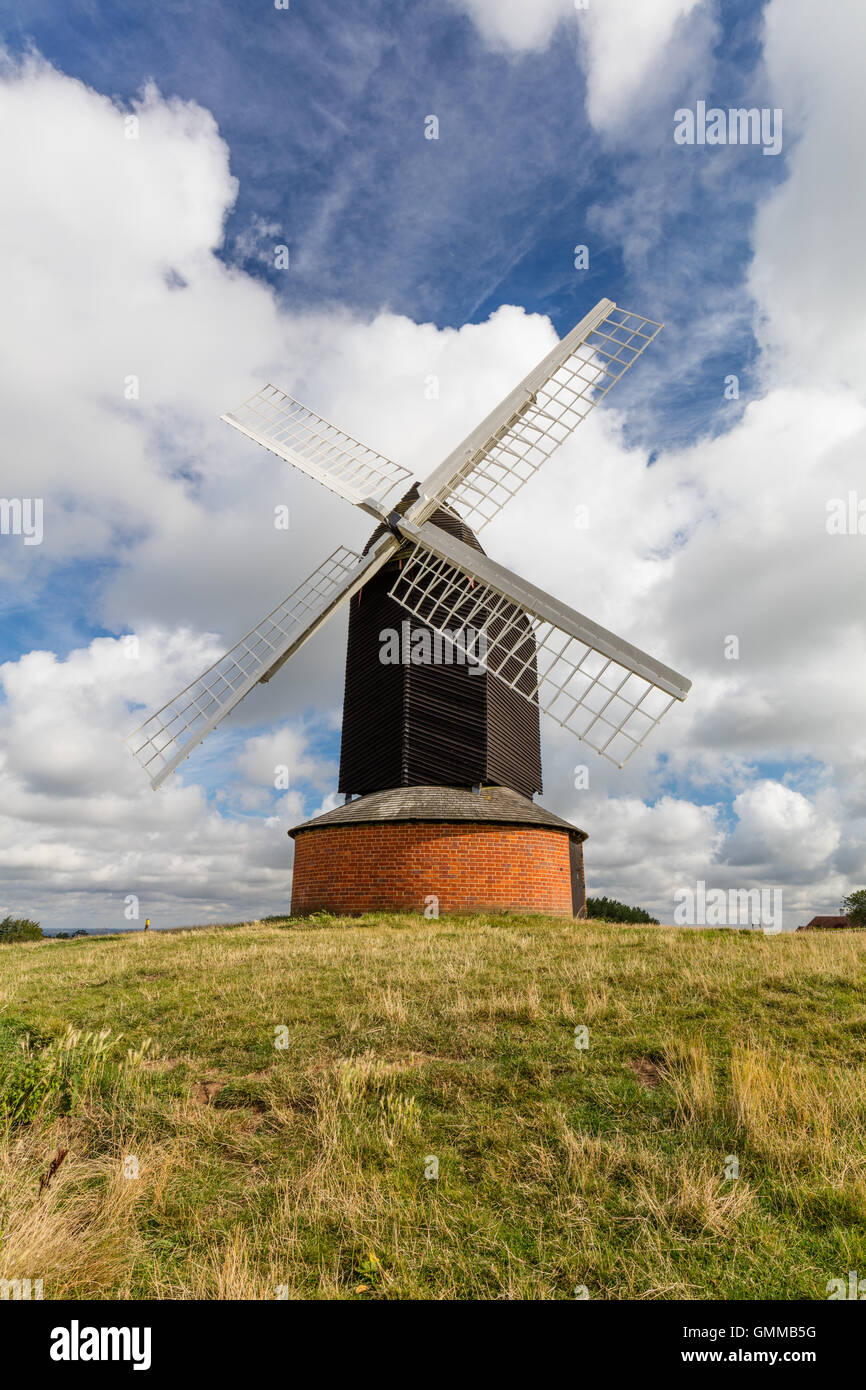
x: 303, y: 1169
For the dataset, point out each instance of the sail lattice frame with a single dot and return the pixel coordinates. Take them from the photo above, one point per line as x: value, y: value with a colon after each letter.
x: 514, y: 452
x: 595, y: 694
x: 299, y: 436
x: 170, y: 734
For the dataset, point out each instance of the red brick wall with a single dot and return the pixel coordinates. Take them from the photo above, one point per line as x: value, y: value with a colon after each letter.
x: 395, y: 865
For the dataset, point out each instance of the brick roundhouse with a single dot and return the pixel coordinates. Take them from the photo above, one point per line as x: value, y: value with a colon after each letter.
x: 472, y: 851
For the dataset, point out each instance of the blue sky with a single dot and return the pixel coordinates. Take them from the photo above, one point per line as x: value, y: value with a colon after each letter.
x: 544, y: 143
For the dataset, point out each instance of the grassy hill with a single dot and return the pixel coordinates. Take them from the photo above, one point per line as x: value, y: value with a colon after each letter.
x: 303, y: 1168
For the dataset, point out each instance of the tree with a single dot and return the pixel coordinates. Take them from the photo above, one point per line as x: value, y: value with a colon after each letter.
x: 19, y: 929
x: 854, y: 907
x: 609, y: 910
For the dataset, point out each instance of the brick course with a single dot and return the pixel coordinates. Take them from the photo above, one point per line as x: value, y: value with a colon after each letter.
x: 395, y: 865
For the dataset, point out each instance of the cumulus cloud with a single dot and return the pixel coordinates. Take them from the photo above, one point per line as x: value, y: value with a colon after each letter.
x: 645, y: 849
x: 808, y: 274
x: 270, y: 759
x: 80, y: 827
x: 630, y: 50
x: 515, y: 26
x: 778, y: 825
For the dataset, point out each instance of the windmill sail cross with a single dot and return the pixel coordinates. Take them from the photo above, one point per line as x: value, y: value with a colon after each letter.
x: 603, y: 688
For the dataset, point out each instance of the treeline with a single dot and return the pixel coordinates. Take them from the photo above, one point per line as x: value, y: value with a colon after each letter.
x: 609, y: 910
x: 19, y: 929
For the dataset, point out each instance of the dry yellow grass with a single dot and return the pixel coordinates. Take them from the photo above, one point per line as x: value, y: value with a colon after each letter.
x: 300, y: 1172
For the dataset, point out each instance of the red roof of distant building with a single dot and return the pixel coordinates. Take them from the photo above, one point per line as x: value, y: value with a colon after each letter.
x: 825, y: 924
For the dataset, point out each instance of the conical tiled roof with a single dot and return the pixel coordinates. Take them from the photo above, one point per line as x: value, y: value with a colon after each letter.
x: 494, y: 805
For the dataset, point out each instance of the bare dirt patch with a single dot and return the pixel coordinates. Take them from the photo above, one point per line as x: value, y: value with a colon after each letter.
x: 203, y: 1092
x: 648, y: 1072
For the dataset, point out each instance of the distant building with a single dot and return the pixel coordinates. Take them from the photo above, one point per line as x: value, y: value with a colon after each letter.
x: 826, y: 924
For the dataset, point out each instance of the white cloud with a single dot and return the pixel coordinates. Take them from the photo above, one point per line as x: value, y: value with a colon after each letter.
x: 283, y: 752
x: 669, y: 843
x: 808, y: 274
x: 779, y: 827
x: 516, y: 26
x: 630, y: 49
x: 80, y: 827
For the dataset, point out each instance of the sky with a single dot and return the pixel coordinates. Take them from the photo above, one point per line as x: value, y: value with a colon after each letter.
x: 155, y: 158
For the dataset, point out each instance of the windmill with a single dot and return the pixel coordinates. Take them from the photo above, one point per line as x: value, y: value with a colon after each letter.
x: 441, y: 730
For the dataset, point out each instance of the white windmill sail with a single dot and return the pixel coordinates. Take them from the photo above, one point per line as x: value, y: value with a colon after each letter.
x: 601, y: 687
x: 170, y: 734
x: 333, y: 458
x: 484, y: 472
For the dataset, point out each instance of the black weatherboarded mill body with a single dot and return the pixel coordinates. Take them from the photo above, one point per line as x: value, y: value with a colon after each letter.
x: 445, y: 724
